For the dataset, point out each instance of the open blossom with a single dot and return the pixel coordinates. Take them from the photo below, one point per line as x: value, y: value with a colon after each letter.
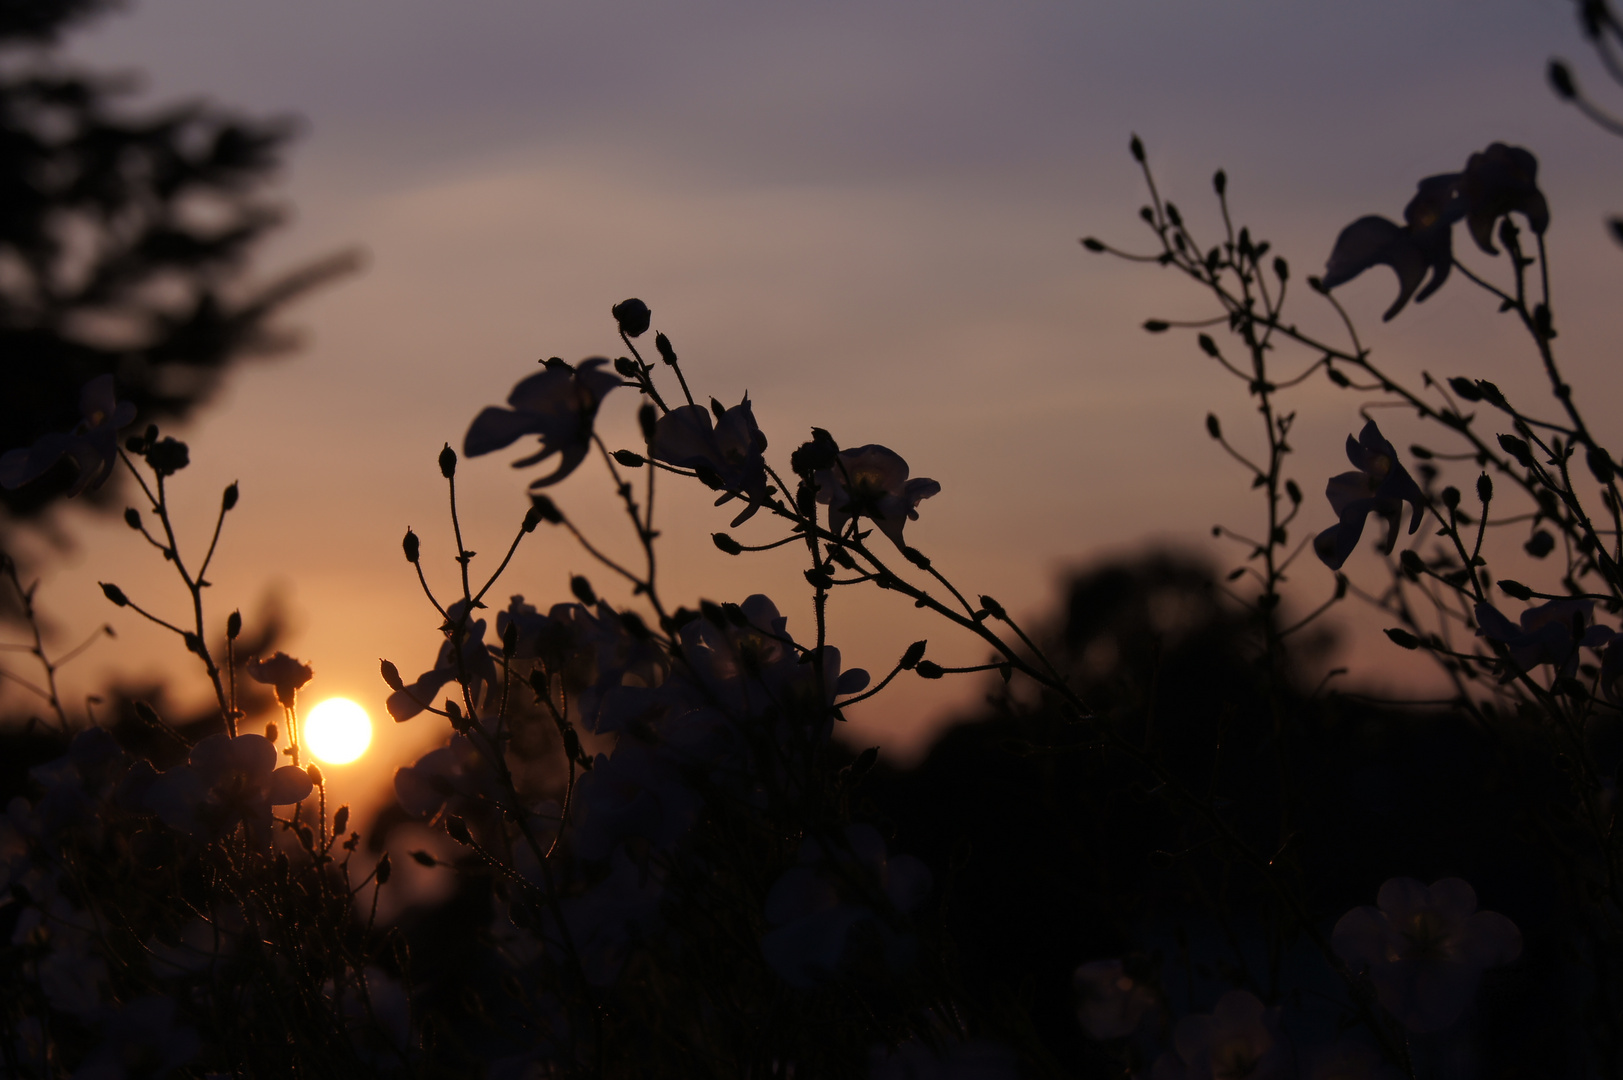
x: 1422, y: 244
x: 1239, y: 1040
x: 1550, y: 633
x: 1497, y: 181
x: 814, y: 906
x: 477, y: 668
x: 226, y: 781
x: 1110, y: 1003
x: 730, y: 451
x: 1425, y: 948
x: 282, y: 672
x: 1380, y: 486
x: 871, y: 481
x: 559, y: 405
x: 456, y: 778
x: 93, y: 444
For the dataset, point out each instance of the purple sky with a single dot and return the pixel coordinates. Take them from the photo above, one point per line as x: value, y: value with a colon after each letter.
x: 863, y: 214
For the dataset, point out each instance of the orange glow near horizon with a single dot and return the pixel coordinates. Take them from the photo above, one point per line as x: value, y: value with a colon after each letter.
x: 338, y: 731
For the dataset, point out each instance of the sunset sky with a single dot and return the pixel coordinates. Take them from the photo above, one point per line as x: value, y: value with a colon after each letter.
x: 865, y: 215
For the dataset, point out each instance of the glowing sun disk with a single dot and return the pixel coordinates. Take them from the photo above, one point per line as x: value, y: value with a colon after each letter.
x: 337, y: 731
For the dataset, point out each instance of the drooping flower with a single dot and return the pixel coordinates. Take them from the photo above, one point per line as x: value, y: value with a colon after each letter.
x: 1550, y: 633
x: 1110, y: 1002
x: 559, y: 405
x: 1422, y: 245
x: 1496, y: 182
x: 1425, y: 948
x: 1239, y: 1040
x: 225, y: 781
x: 871, y: 481
x: 477, y: 668
x: 730, y: 452
x: 282, y: 672
x: 1380, y: 486
x: 815, y: 904
x: 92, y: 444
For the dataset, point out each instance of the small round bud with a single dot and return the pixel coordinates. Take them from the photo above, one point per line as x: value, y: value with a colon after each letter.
x: 447, y: 462
x: 410, y: 546
x: 115, y: 594
x: 633, y: 316
x: 384, y: 869
x: 228, y: 501
x: 233, y: 625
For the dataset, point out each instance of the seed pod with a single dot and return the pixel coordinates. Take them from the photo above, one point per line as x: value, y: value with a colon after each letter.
x: 233, y: 625
x: 228, y: 501
x: 115, y: 594
x: 410, y: 545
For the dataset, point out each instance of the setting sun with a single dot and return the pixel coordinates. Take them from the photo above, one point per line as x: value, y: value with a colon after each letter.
x: 338, y: 731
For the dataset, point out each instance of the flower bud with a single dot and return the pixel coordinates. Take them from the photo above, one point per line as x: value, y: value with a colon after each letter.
x: 457, y: 829
x: 1561, y: 81
x: 726, y: 543
x: 583, y: 590
x: 1484, y: 488
x: 548, y: 509
x: 627, y: 367
x: 929, y: 669
x: 391, y: 674
x: 910, y: 659
x: 1515, y: 589
x: 447, y: 462
x: 115, y: 594
x: 424, y: 858
x: 1136, y: 148
x: 1403, y: 639
x: 410, y: 545
x: 132, y: 517
x: 384, y: 869
x: 629, y: 459
x: 228, y: 501
x: 233, y: 625
x: 271, y: 731
x: 633, y: 316
x: 313, y: 773
x: 666, y: 353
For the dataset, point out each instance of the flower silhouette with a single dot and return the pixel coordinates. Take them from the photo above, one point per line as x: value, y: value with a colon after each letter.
x: 225, y: 781
x: 1550, y: 633
x: 1238, y: 1040
x: 1497, y: 181
x: 1425, y: 948
x: 815, y: 904
x: 1380, y: 486
x: 730, y: 452
x: 282, y: 672
x: 93, y: 444
x: 1423, y: 244
x: 1110, y: 1003
x: 871, y: 481
x: 559, y: 405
